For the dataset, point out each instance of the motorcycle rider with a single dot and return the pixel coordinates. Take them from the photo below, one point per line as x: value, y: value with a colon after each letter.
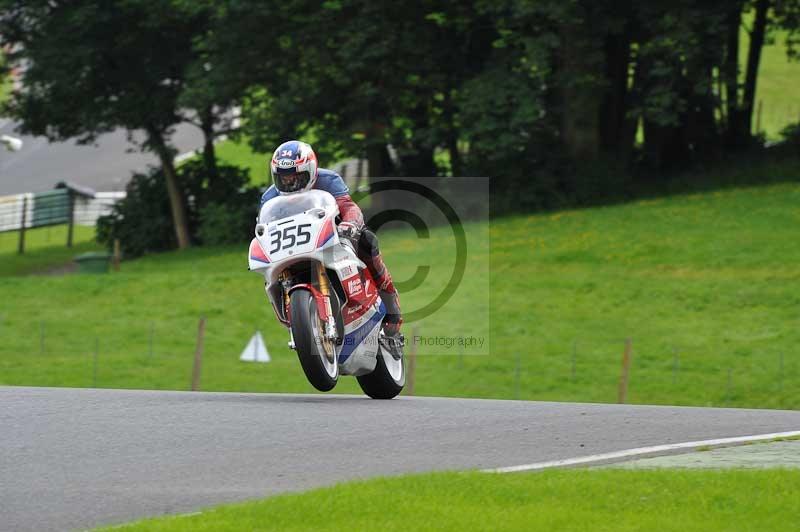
x: 294, y: 169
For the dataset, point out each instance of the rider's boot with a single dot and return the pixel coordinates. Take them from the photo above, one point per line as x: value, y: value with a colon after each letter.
x: 369, y: 252
x: 394, y: 318
x: 394, y: 341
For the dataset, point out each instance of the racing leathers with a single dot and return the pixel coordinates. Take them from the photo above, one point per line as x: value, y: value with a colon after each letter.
x: 366, y: 243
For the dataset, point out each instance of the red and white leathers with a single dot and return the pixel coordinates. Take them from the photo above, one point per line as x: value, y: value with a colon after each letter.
x: 366, y: 243
x: 370, y: 254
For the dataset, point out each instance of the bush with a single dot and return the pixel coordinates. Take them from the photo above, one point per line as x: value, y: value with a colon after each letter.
x: 791, y: 135
x: 142, y: 221
x: 219, y: 211
x: 222, y: 223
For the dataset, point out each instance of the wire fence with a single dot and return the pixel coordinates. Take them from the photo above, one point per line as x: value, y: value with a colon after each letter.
x: 122, y: 353
x: 63, y: 206
x: 689, y: 376
x: 40, y: 210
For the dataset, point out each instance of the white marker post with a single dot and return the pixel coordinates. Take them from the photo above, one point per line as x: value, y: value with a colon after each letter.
x: 256, y: 350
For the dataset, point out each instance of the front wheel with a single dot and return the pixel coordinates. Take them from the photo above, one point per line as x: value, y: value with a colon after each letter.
x: 387, y: 379
x: 317, y: 354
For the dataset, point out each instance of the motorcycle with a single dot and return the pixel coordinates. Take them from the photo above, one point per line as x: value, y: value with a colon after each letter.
x: 324, y: 295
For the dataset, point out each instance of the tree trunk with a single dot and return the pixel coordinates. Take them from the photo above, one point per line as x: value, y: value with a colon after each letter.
x: 209, y: 153
x: 452, y: 137
x: 614, y: 109
x: 179, y: 219
x: 700, y: 126
x: 701, y: 132
x: 456, y: 166
x: 731, y: 74
x: 419, y: 163
x: 580, y: 99
x: 379, y: 165
x: 378, y: 161
x: 665, y: 144
x: 631, y: 120
x: 753, y: 60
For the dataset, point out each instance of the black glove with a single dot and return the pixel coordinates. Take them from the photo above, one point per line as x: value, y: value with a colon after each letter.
x: 349, y: 231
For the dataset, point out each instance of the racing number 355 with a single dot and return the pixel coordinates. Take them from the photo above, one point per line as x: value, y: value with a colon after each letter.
x: 289, y: 237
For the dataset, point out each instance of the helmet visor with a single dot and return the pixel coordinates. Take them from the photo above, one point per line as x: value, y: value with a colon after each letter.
x: 291, y: 182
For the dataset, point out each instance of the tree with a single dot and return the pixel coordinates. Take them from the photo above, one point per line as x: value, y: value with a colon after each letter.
x: 787, y: 18
x: 94, y: 66
x: 356, y: 88
x: 215, y: 81
x: 740, y: 96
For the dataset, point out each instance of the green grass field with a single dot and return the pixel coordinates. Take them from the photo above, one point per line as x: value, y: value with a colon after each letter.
x: 776, y: 88
x: 552, y: 500
x: 5, y: 80
x: 5, y: 88
x: 239, y: 154
x: 45, y: 248
x: 706, y: 285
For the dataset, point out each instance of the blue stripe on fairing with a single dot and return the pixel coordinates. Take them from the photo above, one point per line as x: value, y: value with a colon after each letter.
x: 354, y: 339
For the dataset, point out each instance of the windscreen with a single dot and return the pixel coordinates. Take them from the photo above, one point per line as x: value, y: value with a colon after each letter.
x: 285, y: 206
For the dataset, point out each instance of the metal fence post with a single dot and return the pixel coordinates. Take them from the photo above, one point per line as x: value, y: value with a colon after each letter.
x: 71, y: 214
x: 24, y: 220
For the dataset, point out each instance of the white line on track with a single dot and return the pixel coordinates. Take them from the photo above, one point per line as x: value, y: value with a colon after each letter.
x: 640, y: 451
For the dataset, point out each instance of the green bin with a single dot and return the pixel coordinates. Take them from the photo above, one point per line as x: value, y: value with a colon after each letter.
x: 94, y: 262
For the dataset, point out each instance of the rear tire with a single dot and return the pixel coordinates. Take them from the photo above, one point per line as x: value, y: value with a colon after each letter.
x: 316, y: 353
x: 383, y: 383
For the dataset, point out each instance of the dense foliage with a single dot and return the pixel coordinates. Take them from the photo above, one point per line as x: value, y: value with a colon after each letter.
x: 220, y: 211
x: 557, y: 100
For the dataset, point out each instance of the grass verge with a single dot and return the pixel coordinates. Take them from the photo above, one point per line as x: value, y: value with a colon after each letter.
x: 45, y: 249
x: 707, y: 286
x: 551, y: 500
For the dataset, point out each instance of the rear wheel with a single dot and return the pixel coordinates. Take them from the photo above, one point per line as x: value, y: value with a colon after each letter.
x: 317, y: 354
x: 387, y: 379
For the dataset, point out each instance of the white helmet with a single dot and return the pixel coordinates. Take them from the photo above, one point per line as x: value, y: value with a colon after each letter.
x: 294, y: 167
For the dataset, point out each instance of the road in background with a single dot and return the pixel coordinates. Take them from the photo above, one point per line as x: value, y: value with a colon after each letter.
x: 73, y: 458
x: 105, y: 167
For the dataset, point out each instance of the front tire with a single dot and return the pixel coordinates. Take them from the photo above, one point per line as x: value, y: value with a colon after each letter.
x: 317, y: 354
x: 387, y: 379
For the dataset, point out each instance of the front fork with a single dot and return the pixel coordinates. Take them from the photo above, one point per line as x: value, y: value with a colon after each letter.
x: 325, y: 288
x: 322, y: 298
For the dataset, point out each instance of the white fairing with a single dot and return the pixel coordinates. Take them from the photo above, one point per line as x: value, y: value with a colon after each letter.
x: 299, y: 228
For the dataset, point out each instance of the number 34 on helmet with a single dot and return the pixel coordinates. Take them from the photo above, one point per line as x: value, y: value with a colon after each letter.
x: 294, y: 167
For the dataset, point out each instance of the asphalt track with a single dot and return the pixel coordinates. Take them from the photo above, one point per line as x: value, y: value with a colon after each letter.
x: 73, y: 458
